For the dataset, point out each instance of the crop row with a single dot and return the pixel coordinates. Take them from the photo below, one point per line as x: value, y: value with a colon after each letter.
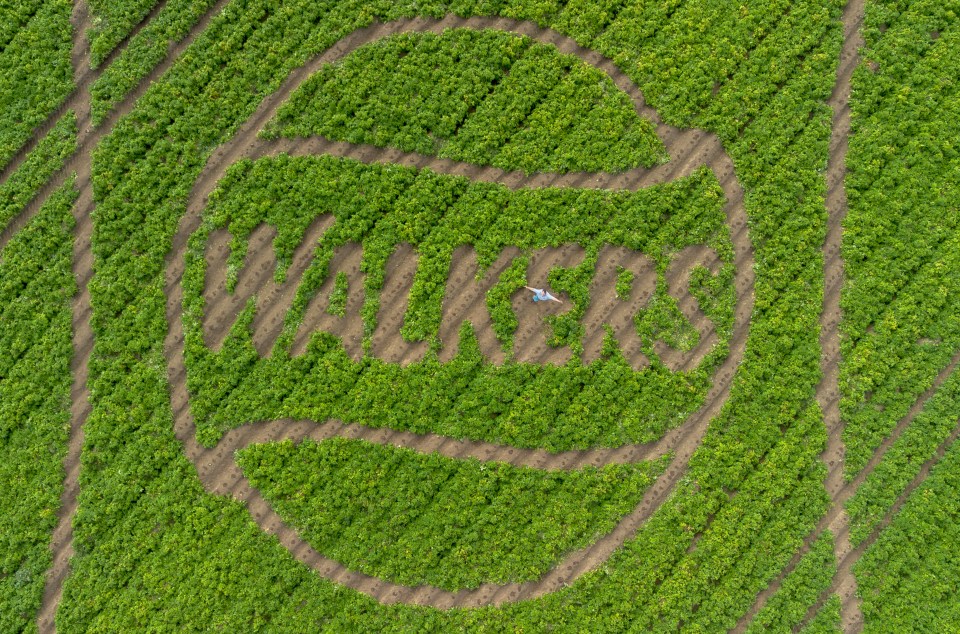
x: 827, y: 619
x: 604, y: 403
x: 146, y: 530
x: 902, y: 462
x: 902, y: 232
x: 485, y: 97
x: 427, y: 519
x: 49, y: 156
x: 906, y: 579
x: 800, y: 589
x: 36, y: 74
x: 36, y: 287
x: 112, y: 21
x: 143, y: 53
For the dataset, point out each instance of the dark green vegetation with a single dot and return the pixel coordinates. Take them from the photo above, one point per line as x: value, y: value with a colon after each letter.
x: 142, y: 53
x: 417, y: 519
x: 602, y: 403
x: 786, y: 609
x: 36, y: 286
x: 35, y: 69
x: 827, y: 619
x: 752, y: 491
x: 156, y: 552
x: 902, y: 304
x: 488, y: 98
x: 903, y: 461
x: 43, y: 161
x: 907, y: 577
x: 901, y: 309
x: 112, y: 21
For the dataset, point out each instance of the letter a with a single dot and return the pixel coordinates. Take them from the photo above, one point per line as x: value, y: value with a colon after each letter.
x: 349, y: 328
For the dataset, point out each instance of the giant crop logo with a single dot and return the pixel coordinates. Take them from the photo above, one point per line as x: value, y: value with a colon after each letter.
x: 316, y: 281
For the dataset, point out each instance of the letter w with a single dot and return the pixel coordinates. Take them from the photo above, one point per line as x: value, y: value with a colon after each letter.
x: 256, y: 279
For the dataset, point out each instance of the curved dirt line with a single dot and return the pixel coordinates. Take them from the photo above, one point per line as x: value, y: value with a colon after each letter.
x: 216, y: 468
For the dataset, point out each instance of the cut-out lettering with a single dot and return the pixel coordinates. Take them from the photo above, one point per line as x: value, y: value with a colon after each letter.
x: 465, y: 299
x: 387, y: 342
x: 349, y: 327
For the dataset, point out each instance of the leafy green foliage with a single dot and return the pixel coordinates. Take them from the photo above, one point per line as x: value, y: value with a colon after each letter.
x: 427, y: 519
x: 485, y: 97
x: 35, y: 74
x: 176, y: 556
x: 112, y: 21
x: 602, y: 403
x: 14, y: 17
x: 49, y: 156
x: 907, y: 577
x: 624, y: 281
x: 338, y: 298
x: 827, y: 620
x: 36, y: 286
x: 143, y: 52
x: 903, y: 460
x: 800, y: 589
x: 901, y: 245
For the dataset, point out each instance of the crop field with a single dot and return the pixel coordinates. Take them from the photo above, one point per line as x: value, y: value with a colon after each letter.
x: 269, y: 359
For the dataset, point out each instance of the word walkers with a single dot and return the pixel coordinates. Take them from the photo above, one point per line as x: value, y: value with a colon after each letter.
x: 623, y: 283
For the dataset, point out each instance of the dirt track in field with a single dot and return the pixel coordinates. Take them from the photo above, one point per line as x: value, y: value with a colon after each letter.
x: 844, y: 582
x: 62, y: 539
x: 689, y: 149
x: 79, y: 163
x: 217, y: 470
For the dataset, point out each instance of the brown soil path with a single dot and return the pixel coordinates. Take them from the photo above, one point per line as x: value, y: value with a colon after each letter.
x: 840, y: 491
x: 828, y: 391
x: 688, y: 150
x: 831, y: 520
x: 83, y: 340
x: 62, y: 541
x: 702, y: 148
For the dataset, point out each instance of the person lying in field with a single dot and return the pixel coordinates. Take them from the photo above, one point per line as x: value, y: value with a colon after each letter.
x: 540, y: 295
